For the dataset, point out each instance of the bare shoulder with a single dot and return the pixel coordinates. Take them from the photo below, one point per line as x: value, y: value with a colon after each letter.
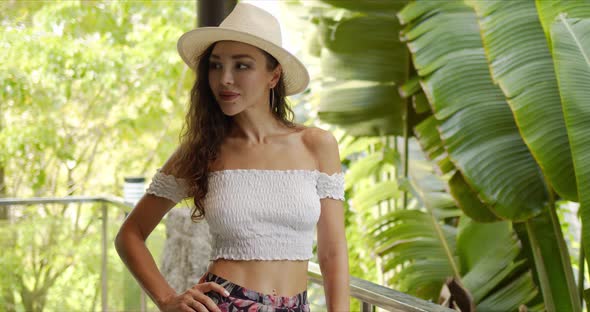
x: 324, y: 146
x: 317, y: 139
x: 170, y: 165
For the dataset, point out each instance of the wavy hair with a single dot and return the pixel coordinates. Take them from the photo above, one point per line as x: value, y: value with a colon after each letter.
x: 206, y: 127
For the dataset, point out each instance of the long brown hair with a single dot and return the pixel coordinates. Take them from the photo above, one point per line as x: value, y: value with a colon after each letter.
x: 206, y: 127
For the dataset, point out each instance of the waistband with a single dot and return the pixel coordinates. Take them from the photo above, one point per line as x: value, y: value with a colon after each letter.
x: 240, y: 292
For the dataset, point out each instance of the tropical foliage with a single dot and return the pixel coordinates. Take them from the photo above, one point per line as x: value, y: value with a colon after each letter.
x: 496, y: 94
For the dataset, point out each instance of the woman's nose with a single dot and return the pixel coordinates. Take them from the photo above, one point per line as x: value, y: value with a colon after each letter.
x: 227, y: 77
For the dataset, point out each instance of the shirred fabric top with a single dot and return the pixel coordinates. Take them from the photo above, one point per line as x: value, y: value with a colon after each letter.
x: 259, y: 214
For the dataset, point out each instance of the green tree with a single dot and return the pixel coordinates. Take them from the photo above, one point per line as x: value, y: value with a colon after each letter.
x: 91, y: 92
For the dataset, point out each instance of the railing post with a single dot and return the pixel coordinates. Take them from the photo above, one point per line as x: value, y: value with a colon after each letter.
x: 366, y: 307
x: 143, y: 302
x: 104, y: 297
x: 133, y: 190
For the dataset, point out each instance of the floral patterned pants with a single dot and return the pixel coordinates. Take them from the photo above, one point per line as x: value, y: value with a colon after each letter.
x: 241, y: 299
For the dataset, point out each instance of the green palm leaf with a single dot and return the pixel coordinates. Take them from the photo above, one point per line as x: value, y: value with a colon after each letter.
x: 496, y: 256
x: 368, y: 5
x: 361, y: 107
x: 571, y: 50
x: 425, y: 251
x: 378, y: 65
x: 552, y: 262
x: 549, y: 10
x: 351, y: 145
x: 430, y: 136
x: 420, y: 275
x: 466, y: 198
x: 429, y: 139
x: 410, y: 249
x: 476, y: 125
x: 479, y: 133
x: 349, y: 53
x: 361, y: 74
x: 521, y: 63
x: 368, y: 166
x: 511, y: 296
x: 368, y: 197
x: 409, y: 235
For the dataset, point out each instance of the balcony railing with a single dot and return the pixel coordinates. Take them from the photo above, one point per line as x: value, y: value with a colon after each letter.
x: 369, y: 294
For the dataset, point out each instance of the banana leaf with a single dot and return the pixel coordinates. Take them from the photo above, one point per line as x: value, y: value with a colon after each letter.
x: 351, y: 145
x: 521, y: 64
x: 368, y: 166
x: 424, y: 250
x: 369, y: 197
x: 571, y: 50
x: 548, y: 12
x: 464, y: 196
x: 368, y: 5
x: 411, y: 232
x: 477, y: 127
x: 362, y: 107
x: 361, y: 74
x: 350, y: 53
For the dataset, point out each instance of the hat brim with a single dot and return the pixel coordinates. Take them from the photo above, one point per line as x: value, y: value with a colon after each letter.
x: 191, y: 44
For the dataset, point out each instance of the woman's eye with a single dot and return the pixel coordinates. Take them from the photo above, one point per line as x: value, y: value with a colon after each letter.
x: 243, y: 66
x: 214, y: 65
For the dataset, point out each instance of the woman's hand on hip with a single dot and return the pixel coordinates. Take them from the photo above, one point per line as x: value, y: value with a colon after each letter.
x: 194, y: 299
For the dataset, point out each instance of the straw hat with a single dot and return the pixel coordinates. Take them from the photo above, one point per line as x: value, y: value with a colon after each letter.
x: 252, y: 25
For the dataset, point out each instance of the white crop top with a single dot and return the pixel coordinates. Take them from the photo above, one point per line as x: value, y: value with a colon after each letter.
x: 259, y: 214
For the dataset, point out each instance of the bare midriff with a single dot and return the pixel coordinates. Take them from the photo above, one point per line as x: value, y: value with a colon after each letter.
x: 277, y: 277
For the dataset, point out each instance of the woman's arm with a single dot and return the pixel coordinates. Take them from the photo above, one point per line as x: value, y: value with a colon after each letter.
x: 130, y: 240
x: 332, y: 245
x: 130, y: 244
x: 333, y: 255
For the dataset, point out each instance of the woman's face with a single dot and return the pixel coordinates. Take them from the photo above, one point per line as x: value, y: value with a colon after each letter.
x: 239, y: 77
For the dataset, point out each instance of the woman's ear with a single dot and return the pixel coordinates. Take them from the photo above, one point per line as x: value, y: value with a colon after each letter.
x: 276, y: 75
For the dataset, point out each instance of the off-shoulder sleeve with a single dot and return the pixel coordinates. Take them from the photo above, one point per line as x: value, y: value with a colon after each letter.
x: 331, y: 186
x: 168, y: 186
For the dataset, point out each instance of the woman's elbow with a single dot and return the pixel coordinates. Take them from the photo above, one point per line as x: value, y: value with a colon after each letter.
x: 119, y: 241
x: 333, y: 251
x: 123, y: 238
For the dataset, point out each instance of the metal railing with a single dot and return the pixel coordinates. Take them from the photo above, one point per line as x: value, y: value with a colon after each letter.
x: 369, y: 294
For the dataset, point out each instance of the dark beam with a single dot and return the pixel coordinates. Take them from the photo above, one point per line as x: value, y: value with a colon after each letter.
x: 212, y: 12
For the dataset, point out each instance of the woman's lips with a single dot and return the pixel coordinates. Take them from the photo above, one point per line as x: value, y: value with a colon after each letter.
x: 228, y: 96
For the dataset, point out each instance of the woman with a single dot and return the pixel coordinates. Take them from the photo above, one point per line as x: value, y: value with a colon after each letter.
x: 262, y: 182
